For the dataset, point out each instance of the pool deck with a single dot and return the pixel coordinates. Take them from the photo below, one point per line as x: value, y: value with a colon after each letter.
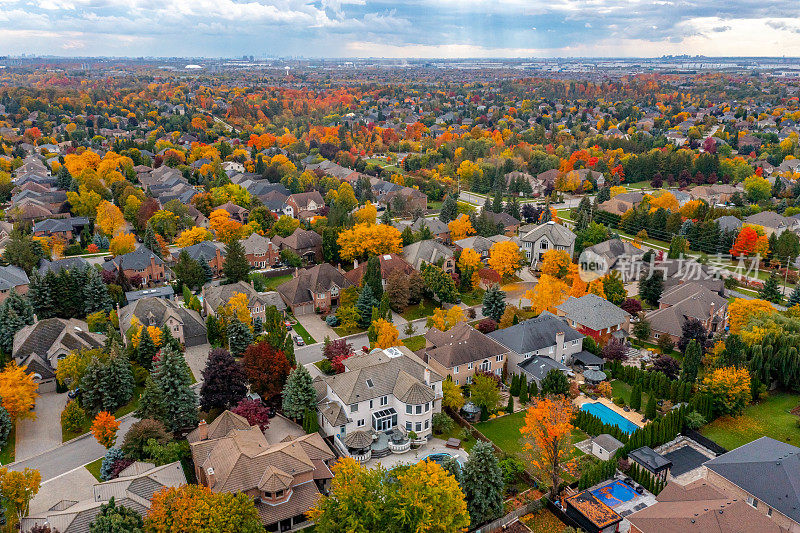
x: 414, y: 456
x: 631, y: 415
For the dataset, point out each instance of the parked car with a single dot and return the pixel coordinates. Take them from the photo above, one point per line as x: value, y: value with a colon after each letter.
x: 299, y: 340
x: 74, y: 393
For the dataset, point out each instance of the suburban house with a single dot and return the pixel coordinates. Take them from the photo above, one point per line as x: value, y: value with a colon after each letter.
x: 540, y: 344
x: 659, y: 466
x: 729, y: 223
x: 210, y: 252
x: 477, y: 243
x: 621, y: 203
x: 315, y: 288
x: 388, y: 262
x: 613, y: 254
x: 236, y: 212
x: 39, y: 347
x: 700, y: 507
x: 431, y: 252
x: 304, y: 205
x: 185, y: 325
x: 141, y: 262
x: 439, y: 230
x: 595, y: 316
x: 544, y: 237
x: 505, y: 222
x: 682, y: 302
x: 719, y: 193
x: 772, y: 222
x: 133, y: 489
x: 260, y: 251
x: 67, y: 263
x: 462, y: 351
x: 377, y: 393
x: 305, y: 243
x: 12, y: 278
x: 63, y: 228
x: 283, y: 478
x: 765, y: 473
x: 215, y: 296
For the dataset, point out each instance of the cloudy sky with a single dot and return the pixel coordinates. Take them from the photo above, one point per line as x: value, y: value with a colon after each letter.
x: 405, y: 28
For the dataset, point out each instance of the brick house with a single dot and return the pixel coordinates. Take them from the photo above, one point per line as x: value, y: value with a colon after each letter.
x: 683, y: 302
x: 314, y: 288
x: 12, y: 278
x: 211, y: 252
x: 305, y: 205
x: 462, y: 351
x: 260, y: 251
x: 388, y: 263
x: 215, y: 296
x: 141, y: 262
x: 595, y: 316
x: 305, y: 243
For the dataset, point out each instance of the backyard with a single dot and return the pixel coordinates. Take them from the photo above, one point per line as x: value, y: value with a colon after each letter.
x: 421, y: 310
x: 771, y: 417
x: 417, y: 342
x: 504, y: 431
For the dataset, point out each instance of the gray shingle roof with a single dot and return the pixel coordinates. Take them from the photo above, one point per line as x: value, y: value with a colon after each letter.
x: 556, y: 233
x: 139, y: 259
x: 539, y: 365
x: 12, y: 276
x: 428, y: 251
x: 535, y: 333
x: 766, y: 468
x: 593, y: 312
x: 460, y: 345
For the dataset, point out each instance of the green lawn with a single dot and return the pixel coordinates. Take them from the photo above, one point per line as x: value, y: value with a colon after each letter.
x: 621, y: 389
x: 435, y: 205
x: 770, y: 417
x: 7, y: 452
x: 344, y: 332
x: 421, y: 310
x: 94, y: 468
x: 473, y: 297
x: 303, y: 333
x: 417, y: 342
x: 271, y: 283
x: 119, y: 413
x: 504, y: 431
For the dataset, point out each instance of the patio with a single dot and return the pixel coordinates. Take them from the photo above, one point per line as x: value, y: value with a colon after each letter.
x: 431, y: 447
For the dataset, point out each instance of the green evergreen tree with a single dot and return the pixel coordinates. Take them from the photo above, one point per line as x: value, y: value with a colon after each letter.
x: 146, y: 350
x: 372, y: 277
x: 95, y: 293
x: 173, y: 377
x: 650, y: 410
x: 212, y: 330
x: 239, y: 336
x: 310, y: 421
x: 533, y: 389
x: 771, y: 290
x: 691, y: 362
x: 92, y: 387
x: 794, y: 298
x: 299, y: 394
x: 40, y: 294
x: 366, y: 301
x: 208, y: 274
x: 449, y: 210
x: 636, y: 398
x: 483, y: 484
x: 115, y: 518
x: 277, y: 335
x: 494, y: 303
x: 524, y: 394
x: 236, y: 267
x: 151, y: 402
x: 16, y: 312
x: 118, y: 383
x: 150, y: 242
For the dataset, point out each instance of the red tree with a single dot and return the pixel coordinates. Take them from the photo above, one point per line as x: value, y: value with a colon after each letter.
x: 266, y: 369
x: 745, y: 243
x: 254, y: 411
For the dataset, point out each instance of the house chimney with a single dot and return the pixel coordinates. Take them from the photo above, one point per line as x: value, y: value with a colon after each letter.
x: 427, y: 376
x: 211, y: 479
x: 355, y: 263
x: 252, y: 284
x: 295, y: 272
x: 202, y: 430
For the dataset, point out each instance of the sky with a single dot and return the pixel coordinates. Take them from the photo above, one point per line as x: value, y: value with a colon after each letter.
x: 399, y: 29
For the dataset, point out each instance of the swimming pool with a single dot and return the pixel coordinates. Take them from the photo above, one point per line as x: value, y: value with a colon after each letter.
x: 615, y: 493
x: 439, y: 458
x: 609, y: 416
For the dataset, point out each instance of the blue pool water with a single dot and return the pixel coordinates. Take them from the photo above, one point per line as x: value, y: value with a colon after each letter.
x: 614, y: 493
x: 608, y: 416
x: 439, y: 458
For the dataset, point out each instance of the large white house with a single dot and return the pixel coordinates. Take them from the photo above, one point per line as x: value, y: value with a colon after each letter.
x: 379, y: 392
x: 544, y: 237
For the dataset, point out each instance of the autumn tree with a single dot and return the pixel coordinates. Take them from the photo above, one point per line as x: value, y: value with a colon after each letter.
x: 254, y: 411
x: 423, y: 498
x: 469, y: 262
x: 556, y: 263
x: 369, y: 239
x: 614, y: 288
x: 266, y: 369
x: 104, y: 429
x: 460, y: 228
x: 547, y: 294
x: 192, y: 236
x: 749, y: 242
x: 387, y: 334
x: 224, y: 381
x: 196, y: 508
x: 453, y: 398
x: 397, y: 288
x: 505, y: 258
x: 226, y: 229
x: 18, y: 489
x: 547, y: 432
x: 109, y: 218
x: 123, y: 243
x: 18, y: 392
x: 444, y: 320
x: 729, y: 389
x: 741, y: 311
x: 484, y: 392
x: 367, y: 214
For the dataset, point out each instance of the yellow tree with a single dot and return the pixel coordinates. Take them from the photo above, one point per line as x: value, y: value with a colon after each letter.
x: 452, y: 395
x: 367, y: 214
x: 665, y: 199
x: 19, y: 488
x: 369, y: 239
x: 122, y: 244
x: 470, y: 261
x: 446, y: 319
x: 18, y: 391
x: 460, y: 228
x: 547, y: 294
x: 104, y: 429
x: 729, y: 389
x: 192, y: 236
x: 237, y: 305
x: 110, y: 218
x: 740, y: 311
x: 546, y: 434
x: 556, y: 263
x: 387, y: 334
x: 505, y: 258
x: 596, y: 287
x: 227, y: 230
x: 578, y: 287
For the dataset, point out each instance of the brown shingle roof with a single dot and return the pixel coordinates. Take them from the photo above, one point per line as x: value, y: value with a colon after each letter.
x: 460, y: 345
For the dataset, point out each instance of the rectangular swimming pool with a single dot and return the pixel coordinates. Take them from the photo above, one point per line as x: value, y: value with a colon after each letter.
x: 615, y: 493
x: 609, y: 416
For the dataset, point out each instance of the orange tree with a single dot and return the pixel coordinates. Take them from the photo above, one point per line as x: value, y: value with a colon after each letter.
x: 556, y: 263
x: 740, y: 311
x: 195, y: 508
x: 18, y: 391
x: 505, y: 258
x: 460, y: 228
x: 387, y: 334
x: 547, y: 436
x: 369, y: 239
x: 104, y: 429
x: 547, y: 294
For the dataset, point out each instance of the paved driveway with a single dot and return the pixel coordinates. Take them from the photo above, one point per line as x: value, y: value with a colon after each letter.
x: 316, y: 327
x: 196, y: 358
x: 44, y: 432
